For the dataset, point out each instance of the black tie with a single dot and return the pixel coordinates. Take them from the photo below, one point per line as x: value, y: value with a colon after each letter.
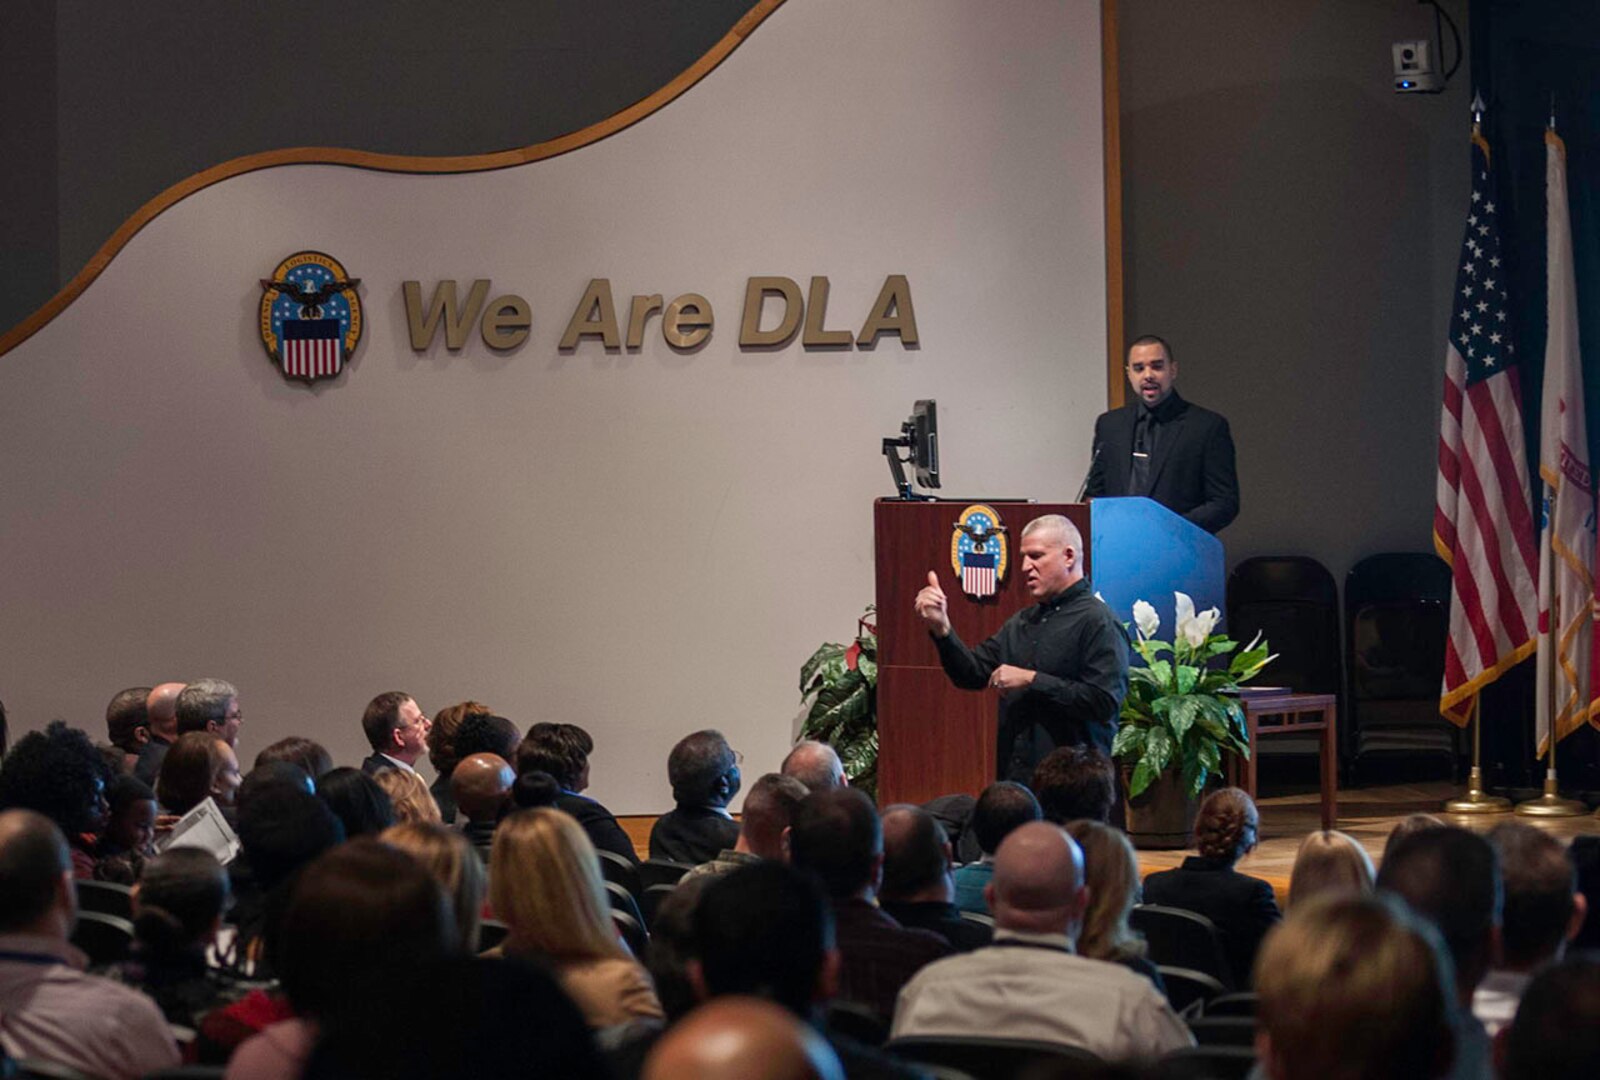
x: 1143, y: 445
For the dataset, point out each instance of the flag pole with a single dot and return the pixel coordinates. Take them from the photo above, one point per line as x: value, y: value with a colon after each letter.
x: 1476, y: 800
x: 1551, y: 804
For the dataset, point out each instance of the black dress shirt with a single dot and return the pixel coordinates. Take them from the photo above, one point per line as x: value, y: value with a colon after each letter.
x: 1080, y: 654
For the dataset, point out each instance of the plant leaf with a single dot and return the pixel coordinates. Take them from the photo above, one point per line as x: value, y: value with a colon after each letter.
x: 809, y: 669
x: 867, y: 669
x: 1162, y: 672
x: 1143, y: 777
x: 1181, y: 718
x: 1187, y: 675
x: 1158, y: 749
x: 1130, y: 740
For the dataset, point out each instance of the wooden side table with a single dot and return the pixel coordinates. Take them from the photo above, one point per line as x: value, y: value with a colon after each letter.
x: 1283, y: 712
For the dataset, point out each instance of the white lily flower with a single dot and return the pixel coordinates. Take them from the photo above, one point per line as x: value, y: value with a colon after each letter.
x: 1184, y: 614
x: 1206, y: 621
x: 1146, y: 619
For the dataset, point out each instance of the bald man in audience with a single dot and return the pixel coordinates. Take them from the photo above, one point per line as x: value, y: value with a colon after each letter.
x: 49, y: 1009
x: 481, y: 786
x: 917, y: 887
x: 816, y: 765
x: 161, y: 717
x: 1030, y: 984
x: 739, y: 1038
x: 769, y: 811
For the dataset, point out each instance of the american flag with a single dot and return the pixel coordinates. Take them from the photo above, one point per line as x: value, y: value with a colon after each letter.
x: 311, y: 348
x: 1483, y: 520
x: 977, y: 573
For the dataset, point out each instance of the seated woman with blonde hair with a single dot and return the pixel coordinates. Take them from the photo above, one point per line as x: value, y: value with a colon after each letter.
x: 450, y: 858
x: 411, y: 798
x: 1242, y: 907
x: 1329, y: 863
x: 1111, y: 870
x: 545, y: 885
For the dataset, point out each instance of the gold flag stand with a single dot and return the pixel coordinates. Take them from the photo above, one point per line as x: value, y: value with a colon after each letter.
x: 1551, y: 804
x: 1476, y: 800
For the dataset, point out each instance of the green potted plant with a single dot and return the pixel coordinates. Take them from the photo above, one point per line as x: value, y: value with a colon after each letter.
x: 1182, y: 713
x: 841, y: 683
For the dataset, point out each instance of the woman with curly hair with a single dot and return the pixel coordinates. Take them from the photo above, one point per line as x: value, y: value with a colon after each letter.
x: 545, y: 885
x: 60, y: 774
x: 1111, y: 870
x: 1244, y: 908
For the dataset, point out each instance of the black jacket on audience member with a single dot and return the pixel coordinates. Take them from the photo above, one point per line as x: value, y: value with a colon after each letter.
x: 964, y: 935
x: 692, y: 834
x: 598, y: 822
x: 1244, y: 908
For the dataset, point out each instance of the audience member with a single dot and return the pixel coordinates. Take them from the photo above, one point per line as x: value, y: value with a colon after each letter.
x: 397, y: 731
x: 544, y: 883
x: 673, y: 945
x: 735, y: 1038
x: 130, y: 833
x: 177, y: 910
x: 704, y: 772
x: 210, y: 705
x: 1111, y: 872
x: 1242, y: 907
x: 200, y: 765
x: 837, y: 836
x: 562, y: 752
x: 447, y: 855
x: 1030, y: 984
x: 1406, y: 826
x: 769, y: 810
x: 1556, y: 1035
x: 360, y: 912
x: 1452, y: 877
x: 355, y: 797
x: 486, y: 733
x: 917, y: 890
x: 128, y: 723
x: 1329, y: 863
x: 481, y: 788
x: 442, y: 754
x: 1001, y: 808
x: 484, y: 1019
x: 816, y: 765
x: 1075, y: 783
x: 1543, y: 911
x: 408, y: 795
x: 309, y: 754
x: 49, y: 1009
x: 161, y: 719
x: 1353, y: 987
x: 59, y: 773
x: 1585, y: 854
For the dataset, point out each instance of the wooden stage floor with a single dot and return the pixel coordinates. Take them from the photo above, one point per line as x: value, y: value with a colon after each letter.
x: 1367, y: 814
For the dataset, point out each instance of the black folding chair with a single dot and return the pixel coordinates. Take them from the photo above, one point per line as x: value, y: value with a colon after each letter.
x: 491, y: 932
x: 1182, y: 939
x: 1224, y: 1030
x: 190, y: 1072
x: 615, y: 868
x: 106, y: 939
x: 1232, y: 1005
x: 997, y: 1059
x: 1208, y: 1063
x: 632, y: 930
x: 856, y: 1021
x: 622, y: 900
x: 106, y: 897
x: 979, y: 917
x: 1189, y: 991
x: 651, y: 900
x: 662, y: 872
x: 47, y: 1070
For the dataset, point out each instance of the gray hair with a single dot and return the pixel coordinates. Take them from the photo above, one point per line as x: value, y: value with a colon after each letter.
x: 202, y: 702
x: 1060, y: 525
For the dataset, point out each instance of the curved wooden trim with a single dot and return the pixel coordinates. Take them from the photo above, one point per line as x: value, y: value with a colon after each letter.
x: 361, y: 159
x: 1111, y: 147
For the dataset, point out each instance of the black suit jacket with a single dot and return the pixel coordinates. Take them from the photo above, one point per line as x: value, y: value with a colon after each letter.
x: 692, y: 834
x: 1192, y: 472
x: 1244, y: 908
x: 604, y: 831
x: 376, y: 763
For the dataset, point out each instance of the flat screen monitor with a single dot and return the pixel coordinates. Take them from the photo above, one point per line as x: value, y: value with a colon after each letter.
x: 923, y: 431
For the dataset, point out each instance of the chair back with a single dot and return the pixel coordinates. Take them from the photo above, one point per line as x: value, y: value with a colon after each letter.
x: 1293, y: 602
x: 998, y: 1059
x: 1182, y: 939
x: 1208, y: 1063
x: 632, y: 931
x: 1224, y: 1031
x: 856, y: 1021
x: 615, y: 868
x: 30, y: 1069
x: 189, y: 1072
x: 622, y: 900
x: 491, y: 932
x: 106, y: 897
x: 1241, y: 1004
x: 662, y: 872
x: 1189, y: 991
x: 651, y: 901
x: 979, y: 917
x: 106, y: 939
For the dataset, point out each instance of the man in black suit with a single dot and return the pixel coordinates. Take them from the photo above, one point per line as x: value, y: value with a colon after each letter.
x: 1161, y: 446
x: 704, y: 772
x: 397, y: 731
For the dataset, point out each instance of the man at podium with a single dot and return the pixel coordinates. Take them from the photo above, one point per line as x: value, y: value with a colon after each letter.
x: 1161, y: 446
x: 1060, y: 665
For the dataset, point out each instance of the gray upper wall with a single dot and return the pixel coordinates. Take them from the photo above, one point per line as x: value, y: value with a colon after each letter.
x: 1291, y: 226
x: 133, y: 98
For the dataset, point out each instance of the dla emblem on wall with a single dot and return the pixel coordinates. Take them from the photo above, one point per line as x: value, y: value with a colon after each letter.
x: 978, y: 551
x: 310, y: 316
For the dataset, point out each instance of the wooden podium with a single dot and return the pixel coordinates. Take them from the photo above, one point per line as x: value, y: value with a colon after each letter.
x: 934, y: 739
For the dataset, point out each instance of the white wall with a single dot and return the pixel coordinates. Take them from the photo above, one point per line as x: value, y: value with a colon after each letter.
x: 644, y: 543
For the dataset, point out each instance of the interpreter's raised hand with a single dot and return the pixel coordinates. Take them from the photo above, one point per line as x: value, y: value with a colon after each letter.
x: 1008, y: 678
x: 932, y: 607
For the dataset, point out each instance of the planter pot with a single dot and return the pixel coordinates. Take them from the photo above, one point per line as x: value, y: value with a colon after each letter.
x: 1163, y: 817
